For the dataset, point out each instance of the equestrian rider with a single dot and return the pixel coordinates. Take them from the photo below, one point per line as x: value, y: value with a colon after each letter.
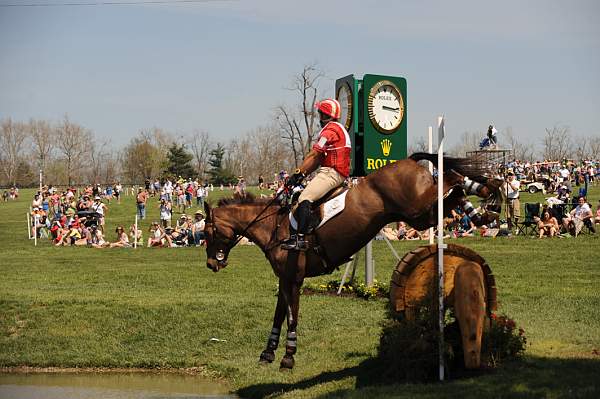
x: 331, y: 154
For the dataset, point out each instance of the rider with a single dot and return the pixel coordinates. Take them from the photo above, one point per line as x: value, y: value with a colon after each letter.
x: 491, y: 134
x: 331, y: 154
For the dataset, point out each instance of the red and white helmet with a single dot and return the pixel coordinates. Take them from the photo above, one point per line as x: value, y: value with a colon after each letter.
x: 330, y: 107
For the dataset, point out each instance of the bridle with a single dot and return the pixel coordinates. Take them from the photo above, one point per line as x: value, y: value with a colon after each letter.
x: 220, y: 255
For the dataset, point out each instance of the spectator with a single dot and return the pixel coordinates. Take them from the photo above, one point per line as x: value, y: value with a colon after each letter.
x: 198, y: 228
x: 578, y: 217
x: 100, y: 209
x: 200, y: 195
x: 165, y: 212
x: 511, y: 189
x: 118, y: 189
x: 547, y: 225
x: 597, y: 217
x: 135, y: 236
x: 157, y: 236
x: 122, y: 239
x: 37, y: 201
x: 141, y: 198
x: 240, y: 188
x: 180, y: 198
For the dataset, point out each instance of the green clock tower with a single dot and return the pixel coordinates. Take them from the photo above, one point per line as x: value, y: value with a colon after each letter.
x: 374, y: 111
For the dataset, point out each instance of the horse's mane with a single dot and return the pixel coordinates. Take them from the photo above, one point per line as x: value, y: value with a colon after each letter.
x: 243, y: 199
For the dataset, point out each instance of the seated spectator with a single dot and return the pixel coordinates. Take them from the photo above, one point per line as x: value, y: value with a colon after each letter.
x: 157, y: 237
x: 36, y: 202
x: 578, y: 217
x: 176, y: 238
x: 198, y: 228
x: 135, y: 236
x: 547, y: 225
x: 122, y: 239
x: 407, y: 233
x: 387, y: 232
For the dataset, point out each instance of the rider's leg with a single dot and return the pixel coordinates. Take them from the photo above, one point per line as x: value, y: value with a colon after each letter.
x: 324, y: 181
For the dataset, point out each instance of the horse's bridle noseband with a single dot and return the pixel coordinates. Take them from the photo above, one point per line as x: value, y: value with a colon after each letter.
x: 229, y: 242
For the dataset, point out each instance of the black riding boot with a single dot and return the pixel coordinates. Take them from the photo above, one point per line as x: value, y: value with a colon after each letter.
x: 296, y: 242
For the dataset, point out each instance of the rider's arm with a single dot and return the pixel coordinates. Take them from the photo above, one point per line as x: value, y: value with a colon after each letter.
x: 311, y: 162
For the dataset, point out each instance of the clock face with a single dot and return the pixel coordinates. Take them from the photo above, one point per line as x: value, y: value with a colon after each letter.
x: 344, y: 96
x: 385, y: 106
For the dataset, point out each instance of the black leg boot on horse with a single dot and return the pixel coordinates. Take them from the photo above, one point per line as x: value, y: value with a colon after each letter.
x: 297, y: 242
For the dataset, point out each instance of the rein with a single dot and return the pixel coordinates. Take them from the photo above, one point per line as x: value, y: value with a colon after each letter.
x: 235, y: 240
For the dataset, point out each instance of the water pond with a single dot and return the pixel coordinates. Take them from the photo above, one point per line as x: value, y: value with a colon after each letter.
x: 108, y: 385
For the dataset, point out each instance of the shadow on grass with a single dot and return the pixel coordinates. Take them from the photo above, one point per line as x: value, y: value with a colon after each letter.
x: 532, y: 377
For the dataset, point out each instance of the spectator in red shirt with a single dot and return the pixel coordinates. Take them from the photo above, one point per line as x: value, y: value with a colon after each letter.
x: 331, y: 155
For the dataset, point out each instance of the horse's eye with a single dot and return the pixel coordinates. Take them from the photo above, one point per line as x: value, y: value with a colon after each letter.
x: 220, y: 256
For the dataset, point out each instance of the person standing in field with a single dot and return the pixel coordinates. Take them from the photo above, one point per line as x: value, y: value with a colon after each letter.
x: 165, y: 212
x: 140, y: 199
x: 511, y: 189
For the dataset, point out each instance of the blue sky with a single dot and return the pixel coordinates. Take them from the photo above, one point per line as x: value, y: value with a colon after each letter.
x: 222, y: 66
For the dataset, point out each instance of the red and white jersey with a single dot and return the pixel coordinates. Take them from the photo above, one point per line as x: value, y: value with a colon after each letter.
x: 334, y: 142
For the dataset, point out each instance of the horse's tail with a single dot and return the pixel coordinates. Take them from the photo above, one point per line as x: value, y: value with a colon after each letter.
x: 469, y: 167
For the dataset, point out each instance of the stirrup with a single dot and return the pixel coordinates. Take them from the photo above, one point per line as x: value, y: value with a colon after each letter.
x: 295, y: 243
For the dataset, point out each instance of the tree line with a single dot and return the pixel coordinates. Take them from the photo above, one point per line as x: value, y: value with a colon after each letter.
x: 69, y: 153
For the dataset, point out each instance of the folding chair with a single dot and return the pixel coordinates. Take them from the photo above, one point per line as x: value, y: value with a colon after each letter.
x: 529, y: 224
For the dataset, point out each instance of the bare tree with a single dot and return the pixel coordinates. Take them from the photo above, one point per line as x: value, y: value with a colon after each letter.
x: 581, y: 148
x: 145, y: 155
x: 298, y: 128
x: 523, y: 151
x: 97, y: 159
x: 12, y: 138
x: 418, y: 145
x: 557, y: 143
x: 200, y: 145
x: 73, y: 141
x: 595, y: 147
x: 469, y: 141
x: 42, y: 140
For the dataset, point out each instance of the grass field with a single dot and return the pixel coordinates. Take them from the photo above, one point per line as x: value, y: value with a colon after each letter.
x: 84, y: 307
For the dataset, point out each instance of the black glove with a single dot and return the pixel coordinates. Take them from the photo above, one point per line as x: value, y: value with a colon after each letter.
x: 295, y: 179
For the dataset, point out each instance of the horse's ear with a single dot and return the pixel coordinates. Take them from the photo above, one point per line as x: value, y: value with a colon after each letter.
x: 207, y: 210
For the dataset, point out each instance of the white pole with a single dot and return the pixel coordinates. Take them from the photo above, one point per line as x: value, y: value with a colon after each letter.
x: 430, y: 149
x: 40, y: 182
x: 29, y: 226
x: 35, y: 223
x: 441, y: 246
x: 135, y: 237
x: 369, y: 272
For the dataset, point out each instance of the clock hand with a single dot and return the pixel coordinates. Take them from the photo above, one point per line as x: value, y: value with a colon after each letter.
x: 391, y: 109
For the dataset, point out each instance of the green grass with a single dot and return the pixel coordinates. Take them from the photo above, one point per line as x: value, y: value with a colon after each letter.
x: 83, y: 307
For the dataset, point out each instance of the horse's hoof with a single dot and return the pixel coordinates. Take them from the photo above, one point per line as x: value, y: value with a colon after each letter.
x: 287, y: 362
x: 266, y: 357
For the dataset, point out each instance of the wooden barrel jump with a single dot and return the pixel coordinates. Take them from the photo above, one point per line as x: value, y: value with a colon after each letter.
x: 469, y: 288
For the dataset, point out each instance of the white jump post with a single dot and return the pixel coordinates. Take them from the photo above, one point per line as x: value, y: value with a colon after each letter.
x: 440, y: 238
x: 40, y: 182
x: 430, y: 150
x: 135, y: 237
x: 29, y: 226
x: 369, y: 269
x: 35, y: 224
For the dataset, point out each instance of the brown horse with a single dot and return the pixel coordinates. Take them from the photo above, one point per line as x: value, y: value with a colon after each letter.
x: 403, y: 190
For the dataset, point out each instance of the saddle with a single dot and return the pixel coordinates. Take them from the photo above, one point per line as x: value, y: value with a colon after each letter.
x: 323, y: 209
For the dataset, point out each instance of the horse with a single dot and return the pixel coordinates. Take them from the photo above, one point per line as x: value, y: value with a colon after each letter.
x: 400, y: 191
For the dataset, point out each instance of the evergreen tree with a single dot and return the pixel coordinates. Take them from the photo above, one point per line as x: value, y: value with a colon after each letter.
x: 179, y: 162
x: 218, y: 174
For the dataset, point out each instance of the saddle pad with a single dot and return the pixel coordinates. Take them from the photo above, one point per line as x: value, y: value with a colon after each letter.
x: 330, y: 209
